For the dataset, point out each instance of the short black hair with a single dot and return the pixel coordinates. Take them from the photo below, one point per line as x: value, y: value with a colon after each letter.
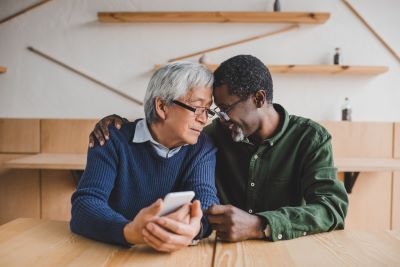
x: 244, y: 75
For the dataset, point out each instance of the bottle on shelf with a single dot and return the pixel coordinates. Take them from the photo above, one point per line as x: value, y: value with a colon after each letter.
x: 336, y: 57
x: 346, y: 110
x: 277, y: 6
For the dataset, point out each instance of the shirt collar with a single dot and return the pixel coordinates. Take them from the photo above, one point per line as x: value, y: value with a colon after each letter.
x: 142, y: 135
x: 283, y: 124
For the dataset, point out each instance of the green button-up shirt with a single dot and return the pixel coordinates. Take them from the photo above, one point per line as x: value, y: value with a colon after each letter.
x: 289, y: 179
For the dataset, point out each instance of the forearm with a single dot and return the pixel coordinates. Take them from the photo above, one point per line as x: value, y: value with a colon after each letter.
x: 292, y: 222
x: 96, y: 220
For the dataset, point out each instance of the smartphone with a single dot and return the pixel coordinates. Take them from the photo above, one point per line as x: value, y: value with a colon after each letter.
x: 175, y: 200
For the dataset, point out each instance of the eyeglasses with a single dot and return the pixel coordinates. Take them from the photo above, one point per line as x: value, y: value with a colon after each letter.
x: 223, y: 113
x: 196, y: 110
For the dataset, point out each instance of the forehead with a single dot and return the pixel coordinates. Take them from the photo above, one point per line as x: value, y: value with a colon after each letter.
x: 203, y: 94
x: 223, y: 97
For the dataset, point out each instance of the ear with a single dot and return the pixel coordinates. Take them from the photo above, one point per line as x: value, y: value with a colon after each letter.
x: 161, y: 108
x: 260, y: 98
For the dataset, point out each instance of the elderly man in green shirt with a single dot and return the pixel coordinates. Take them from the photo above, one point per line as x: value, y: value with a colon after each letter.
x: 275, y: 173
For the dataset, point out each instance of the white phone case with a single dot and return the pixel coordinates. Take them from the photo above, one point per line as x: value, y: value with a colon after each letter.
x: 175, y: 200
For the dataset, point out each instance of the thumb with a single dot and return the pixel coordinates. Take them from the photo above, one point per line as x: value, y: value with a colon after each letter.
x: 155, y: 208
x: 195, y: 210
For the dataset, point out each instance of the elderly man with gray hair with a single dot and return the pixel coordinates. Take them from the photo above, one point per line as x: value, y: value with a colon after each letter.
x: 119, y: 195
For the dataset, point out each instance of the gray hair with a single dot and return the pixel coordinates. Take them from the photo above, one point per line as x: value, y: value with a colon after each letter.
x: 173, y: 81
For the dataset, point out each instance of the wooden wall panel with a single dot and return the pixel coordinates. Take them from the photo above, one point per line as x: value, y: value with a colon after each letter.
x: 396, y: 202
x: 19, y: 192
x: 65, y: 136
x: 396, y: 182
x: 370, y: 201
x: 361, y: 139
x: 19, y: 136
x: 57, y: 189
x: 396, y: 148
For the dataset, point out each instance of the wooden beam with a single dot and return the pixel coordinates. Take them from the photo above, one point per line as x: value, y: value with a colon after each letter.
x: 295, y: 26
x: 317, y: 69
x: 216, y: 17
x: 24, y: 11
x: 112, y: 89
x: 383, y: 42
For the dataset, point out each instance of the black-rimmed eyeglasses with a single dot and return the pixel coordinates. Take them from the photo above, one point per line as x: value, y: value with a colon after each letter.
x: 196, y: 110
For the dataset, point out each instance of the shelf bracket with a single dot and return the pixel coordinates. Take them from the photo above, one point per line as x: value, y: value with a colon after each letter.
x: 349, y: 180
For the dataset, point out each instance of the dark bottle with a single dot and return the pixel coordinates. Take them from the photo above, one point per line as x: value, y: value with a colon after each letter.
x: 336, y: 57
x: 277, y: 6
x: 346, y: 110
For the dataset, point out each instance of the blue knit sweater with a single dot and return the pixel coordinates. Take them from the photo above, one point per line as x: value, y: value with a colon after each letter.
x: 123, y: 177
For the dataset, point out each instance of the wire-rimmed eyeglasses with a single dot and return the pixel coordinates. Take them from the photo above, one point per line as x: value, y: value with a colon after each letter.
x: 223, y: 113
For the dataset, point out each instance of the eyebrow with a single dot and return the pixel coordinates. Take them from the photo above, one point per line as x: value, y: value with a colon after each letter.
x: 200, y: 99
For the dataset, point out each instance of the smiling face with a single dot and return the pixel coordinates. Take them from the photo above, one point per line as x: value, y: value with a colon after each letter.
x: 181, y: 124
x: 242, y: 113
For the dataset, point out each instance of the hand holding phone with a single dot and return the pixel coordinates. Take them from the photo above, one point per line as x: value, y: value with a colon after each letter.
x: 175, y: 200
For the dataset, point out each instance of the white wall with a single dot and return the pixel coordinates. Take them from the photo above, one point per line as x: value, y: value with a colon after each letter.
x: 123, y: 55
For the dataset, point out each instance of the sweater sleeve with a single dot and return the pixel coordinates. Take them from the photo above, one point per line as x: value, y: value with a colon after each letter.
x: 92, y: 217
x: 201, y: 180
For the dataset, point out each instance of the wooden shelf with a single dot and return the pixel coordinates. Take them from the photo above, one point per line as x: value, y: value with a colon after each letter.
x: 55, y: 161
x: 367, y: 164
x: 3, y: 69
x: 216, y: 17
x: 317, y: 69
x: 328, y: 69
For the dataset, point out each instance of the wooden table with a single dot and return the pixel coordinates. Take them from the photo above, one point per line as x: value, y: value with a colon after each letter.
x: 33, y: 242
x: 63, y: 161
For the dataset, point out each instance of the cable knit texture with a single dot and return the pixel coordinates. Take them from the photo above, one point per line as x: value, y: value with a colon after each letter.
x: 123, y: 177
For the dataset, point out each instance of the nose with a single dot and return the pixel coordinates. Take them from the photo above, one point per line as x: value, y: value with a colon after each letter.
x: 202, y: 117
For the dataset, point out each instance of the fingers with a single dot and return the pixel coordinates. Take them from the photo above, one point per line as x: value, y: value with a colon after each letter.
x: 157, y: 244
x: 104, y: 128
x: 224, y: 236
x: 117, y: 122
x: 195, y: 210
x: 176, y: 227
x: 99, y: 134
x: 216, y: 219
x: 181, y: 214
x: 158, y: 236
x: 218, y: 209
x: 91, y: 140
x: 220, y: 227
x: 154, y: 208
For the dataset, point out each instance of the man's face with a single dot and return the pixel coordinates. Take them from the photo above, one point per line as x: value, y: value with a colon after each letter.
x: 242, y: 113
x: 185, y: 125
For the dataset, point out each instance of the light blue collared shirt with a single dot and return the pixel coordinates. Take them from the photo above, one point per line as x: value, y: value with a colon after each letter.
x: 142, y: 134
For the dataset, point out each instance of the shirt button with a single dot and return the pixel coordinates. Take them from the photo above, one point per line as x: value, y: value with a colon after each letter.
x: 255, y: 156
x: 252, y: 184
x: 250, y: 211
x: 279, y: 236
